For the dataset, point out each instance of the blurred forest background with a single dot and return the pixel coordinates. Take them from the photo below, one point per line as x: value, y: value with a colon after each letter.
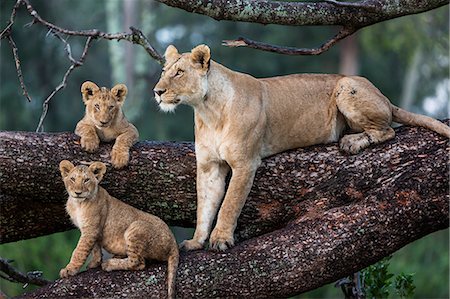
x: 406, y: 58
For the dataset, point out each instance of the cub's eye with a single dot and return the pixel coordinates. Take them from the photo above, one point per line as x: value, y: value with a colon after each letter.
x: 72, y: 179
x: 179, y: 73
x: 111, y: 107
x: 97, y: 106
x: 86, y: 180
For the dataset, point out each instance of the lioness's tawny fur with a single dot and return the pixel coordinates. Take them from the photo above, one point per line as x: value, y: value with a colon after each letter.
x: 104, y: 120
x: 106, y: 222
x: 240, y: 119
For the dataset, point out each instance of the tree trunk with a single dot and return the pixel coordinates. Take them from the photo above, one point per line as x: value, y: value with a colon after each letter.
x: 314, y: 215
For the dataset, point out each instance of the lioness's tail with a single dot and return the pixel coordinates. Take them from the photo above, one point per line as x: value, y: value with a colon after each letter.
x: 172, y: 266
x: 408, y: 118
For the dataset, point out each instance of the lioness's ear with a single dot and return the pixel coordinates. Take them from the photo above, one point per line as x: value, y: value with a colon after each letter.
x: 202, y: 55
x: 171, y: 53
x: 65, y: 167
x: 87, y: 90
x: 120, y: 92
x: 98, y: 169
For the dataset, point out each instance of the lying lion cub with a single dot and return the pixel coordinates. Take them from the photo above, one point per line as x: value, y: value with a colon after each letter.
x: 240, y: 119
x: 106, y: 222
x: 105, y: 121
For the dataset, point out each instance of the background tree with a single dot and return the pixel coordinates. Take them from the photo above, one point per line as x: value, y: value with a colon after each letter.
x: 386, y: 56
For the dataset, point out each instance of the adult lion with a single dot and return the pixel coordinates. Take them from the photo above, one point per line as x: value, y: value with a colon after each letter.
x: 240, y: 119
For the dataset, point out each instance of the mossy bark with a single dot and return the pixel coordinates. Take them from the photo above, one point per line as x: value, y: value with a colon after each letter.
x: 313, y: 216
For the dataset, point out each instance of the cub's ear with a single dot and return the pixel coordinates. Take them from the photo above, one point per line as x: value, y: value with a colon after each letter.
x: 65, y: 167
x: 120, y: 91
x: 201, y: 55
x: 88, y: 89
x: 98, y: 169
x: 171, y: 53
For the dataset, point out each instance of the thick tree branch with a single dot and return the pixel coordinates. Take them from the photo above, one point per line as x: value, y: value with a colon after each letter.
x: 328, y: 12
x: 352, y: 16
x: 314, y: 215
x: 161, y: 179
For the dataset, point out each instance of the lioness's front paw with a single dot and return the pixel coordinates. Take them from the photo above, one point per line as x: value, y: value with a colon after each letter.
x: 90, y: 144
x: 67, y: 271
x: 119, y: 158
x: 220, y: 240
x: 189, y: 245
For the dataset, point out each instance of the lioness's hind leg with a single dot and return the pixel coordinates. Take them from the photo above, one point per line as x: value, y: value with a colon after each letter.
x: 367, y: 112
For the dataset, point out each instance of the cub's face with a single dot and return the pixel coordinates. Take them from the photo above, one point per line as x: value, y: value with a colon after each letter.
x: 102, y: 104
x: 183, y: 79
x: 81, y: 181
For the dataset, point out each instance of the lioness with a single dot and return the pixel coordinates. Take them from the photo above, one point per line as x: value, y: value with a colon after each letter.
x: 240, y: 119
x: 106, y: 222
x: 104, y: 120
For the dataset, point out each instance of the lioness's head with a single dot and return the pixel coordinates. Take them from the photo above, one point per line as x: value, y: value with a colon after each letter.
x: 183, y: 79
x: 82, y: 181
x: 102, y: 104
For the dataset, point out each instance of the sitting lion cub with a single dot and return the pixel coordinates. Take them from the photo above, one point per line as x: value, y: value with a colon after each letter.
x: 105, y: 121
x: 106, y: 222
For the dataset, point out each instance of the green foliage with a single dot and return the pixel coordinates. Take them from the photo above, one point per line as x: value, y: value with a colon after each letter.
x: 378, y: 282
x: 404, y: 285
x: 377, y: 279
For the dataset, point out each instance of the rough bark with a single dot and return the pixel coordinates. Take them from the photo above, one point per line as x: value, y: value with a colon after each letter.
x: 348, y: 14
x: 319, y: 215
x: 335, y: 214
x: 161, y: 179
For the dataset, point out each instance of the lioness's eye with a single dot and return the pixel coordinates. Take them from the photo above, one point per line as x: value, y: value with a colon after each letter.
x: 72, y: 179
x: 97, y: 106
x: 179, y: 73
x: 86, y: 180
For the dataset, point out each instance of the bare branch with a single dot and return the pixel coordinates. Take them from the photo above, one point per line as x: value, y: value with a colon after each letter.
x: 18, y: 68
x: 13, y: 275
x: 63, y: 83
x: 7, y: 30
x: 244, y: 42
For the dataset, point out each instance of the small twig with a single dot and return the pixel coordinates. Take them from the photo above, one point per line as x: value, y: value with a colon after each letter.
x: 66, y: 47
x: 245, y: 42
x: 63, y: 83
x: 139, y: 38
x: 7, y: 30
x: 13, y: 275
x: 18, y: 68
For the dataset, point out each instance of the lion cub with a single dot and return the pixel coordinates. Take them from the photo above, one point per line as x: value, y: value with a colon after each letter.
x: 106, y: 222
x: 104, y: 120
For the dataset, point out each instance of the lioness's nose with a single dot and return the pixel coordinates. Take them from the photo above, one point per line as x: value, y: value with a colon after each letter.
x: 159, y: 91
x: 78, y: 193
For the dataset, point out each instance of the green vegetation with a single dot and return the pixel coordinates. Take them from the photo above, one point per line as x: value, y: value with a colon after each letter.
x: 389, y: 53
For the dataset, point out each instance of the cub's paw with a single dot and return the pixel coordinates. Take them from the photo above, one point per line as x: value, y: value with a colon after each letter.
x: 67, y: 272
x: 90, y: 144
x: 119, y: 158
x: 220, y: 240
x: 189, y: 245
x: 94, y: 264
x: 107, y: 266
